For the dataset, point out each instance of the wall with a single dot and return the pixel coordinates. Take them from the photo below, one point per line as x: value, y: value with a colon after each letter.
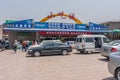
x: 112, y: 25
x: 14, y: 36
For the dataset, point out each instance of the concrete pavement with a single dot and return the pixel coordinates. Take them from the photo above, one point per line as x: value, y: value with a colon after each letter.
x: 16, y: 66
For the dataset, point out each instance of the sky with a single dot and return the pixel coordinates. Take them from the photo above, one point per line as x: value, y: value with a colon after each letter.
x: 97, y: 11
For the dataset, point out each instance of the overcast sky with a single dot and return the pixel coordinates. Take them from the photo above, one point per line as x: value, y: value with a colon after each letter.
x: 85, y: 10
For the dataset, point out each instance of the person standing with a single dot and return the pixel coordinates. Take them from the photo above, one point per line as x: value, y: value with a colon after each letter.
x: 15, y: 46
x: 24, y: 46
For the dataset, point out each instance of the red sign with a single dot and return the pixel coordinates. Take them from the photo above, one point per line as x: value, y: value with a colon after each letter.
x: 63, y: 33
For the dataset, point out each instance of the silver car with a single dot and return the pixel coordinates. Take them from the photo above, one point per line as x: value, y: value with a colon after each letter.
x: 113, y: 46
x: 114, y: 65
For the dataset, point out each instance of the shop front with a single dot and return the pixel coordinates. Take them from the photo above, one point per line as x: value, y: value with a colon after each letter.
x: 29, y: 30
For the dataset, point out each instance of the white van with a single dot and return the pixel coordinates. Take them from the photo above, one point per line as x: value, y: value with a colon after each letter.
x: 90, y: 43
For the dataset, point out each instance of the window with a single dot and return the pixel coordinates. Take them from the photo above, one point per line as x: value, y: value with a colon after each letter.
x: 49, y: 44
x: 59, y: 44
x: 79, y: 40
x: 89, y: 40
x: 105, y: 40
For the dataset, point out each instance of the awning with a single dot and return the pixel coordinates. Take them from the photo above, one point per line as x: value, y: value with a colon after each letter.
x: 62, y: 30
x: 116, y: 30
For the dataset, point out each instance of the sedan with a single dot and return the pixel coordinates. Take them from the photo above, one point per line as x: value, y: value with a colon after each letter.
x: 48, y: 48
x: 114, y: 65
x: 113, y: 46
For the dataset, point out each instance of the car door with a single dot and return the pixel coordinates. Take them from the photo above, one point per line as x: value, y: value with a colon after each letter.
x: 48, y: 48
x: 79, y: 43
x: 89, y: 43
x: 58, y: 48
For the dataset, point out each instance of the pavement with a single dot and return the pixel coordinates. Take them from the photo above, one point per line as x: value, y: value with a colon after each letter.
x: 16, y: 66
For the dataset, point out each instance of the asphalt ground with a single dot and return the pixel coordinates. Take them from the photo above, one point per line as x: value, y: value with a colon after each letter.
x: 16, y: 66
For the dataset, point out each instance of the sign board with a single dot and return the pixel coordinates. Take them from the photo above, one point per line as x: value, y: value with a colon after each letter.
x: 9, y: 21
x: 19, y: 24
x: 53, y: 25
x: 62, y: 33
x: 94, y: 26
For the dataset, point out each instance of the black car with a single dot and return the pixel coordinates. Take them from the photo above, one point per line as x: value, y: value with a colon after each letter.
x: 48, y: 48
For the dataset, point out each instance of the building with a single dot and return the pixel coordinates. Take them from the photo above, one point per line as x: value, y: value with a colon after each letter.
x: 115, y: 27
x: 29, y: 30
x: 112, y: 25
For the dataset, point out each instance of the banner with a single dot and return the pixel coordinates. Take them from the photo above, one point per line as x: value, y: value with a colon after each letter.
x: 53, y: 25
x: 19, y: 24
x: 94, y: 26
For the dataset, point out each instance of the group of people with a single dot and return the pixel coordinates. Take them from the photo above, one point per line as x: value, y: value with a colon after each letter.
x: 24, y: 44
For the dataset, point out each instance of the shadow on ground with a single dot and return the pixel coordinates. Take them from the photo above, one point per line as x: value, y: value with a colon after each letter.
x: 109, y: 78
x: 78, y: 53
x: 50, y: 55
x: 103, y: 59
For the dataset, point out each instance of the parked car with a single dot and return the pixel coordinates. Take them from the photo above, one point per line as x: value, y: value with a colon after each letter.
x: 113, y: 46
x: 114, y: 65
x: 49, y: 47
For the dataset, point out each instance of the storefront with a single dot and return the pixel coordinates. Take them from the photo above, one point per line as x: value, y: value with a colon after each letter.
x: 29, y: 30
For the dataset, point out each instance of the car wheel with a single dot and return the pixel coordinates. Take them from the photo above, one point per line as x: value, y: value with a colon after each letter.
x: 37, y: 54
x: 118, y: 74
x: 64, y: 52
x: 82, y: 52
x: 107, y: 58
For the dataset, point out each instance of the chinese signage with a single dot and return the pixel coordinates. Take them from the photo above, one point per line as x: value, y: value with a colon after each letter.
x: 20, y: 24
x: 53, y: 25
x: 94, y: 26
x: 71, y: 16
x: 62, y: 33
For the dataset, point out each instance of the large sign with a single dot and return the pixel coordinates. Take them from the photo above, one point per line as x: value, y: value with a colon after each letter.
x: 56, y: 33
x: 19, y: 24
x: 63, y: 16
x: 94, y: 26
x: 53, y: 25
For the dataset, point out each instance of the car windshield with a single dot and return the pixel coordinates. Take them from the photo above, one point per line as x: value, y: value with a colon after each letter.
x: 114, y: 43
x: 46, y: 41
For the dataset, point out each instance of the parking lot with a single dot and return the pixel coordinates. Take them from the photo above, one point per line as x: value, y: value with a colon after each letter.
x: 16, y: 66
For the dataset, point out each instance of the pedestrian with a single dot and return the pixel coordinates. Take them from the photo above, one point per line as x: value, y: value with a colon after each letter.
x: 15, y: 46
x: 24, y: 46
x: 99, y: 43
x: 33, y: 42
x: 36, y: 42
